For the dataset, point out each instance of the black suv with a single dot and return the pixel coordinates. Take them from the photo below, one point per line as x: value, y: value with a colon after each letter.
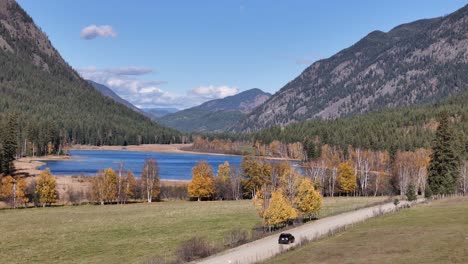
x: 285, y: 238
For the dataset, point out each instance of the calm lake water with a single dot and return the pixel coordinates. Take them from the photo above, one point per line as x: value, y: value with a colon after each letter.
x: 172, y: 166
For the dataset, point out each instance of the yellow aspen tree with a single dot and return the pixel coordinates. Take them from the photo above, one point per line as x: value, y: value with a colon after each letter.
x: 6, y: 189
x: 97, y: 186
x: 260, y: 202
x: 346, y: 177
x: 308, y: 200
x: 21, y: 191
x: 13, y: 190
x: 46, y: 189
x: 279, y: 210
x: 129, y: 186
x: 110, y: 185
x: 202, y: 183
x: 224, y: 171
x: 222, y: 181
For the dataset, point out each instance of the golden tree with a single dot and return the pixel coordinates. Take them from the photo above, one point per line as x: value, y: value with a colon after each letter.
x: 224, y: 171
x: 202, y: 183
x: 129, y: 186
x: 261, y: 201
x: 279, y: 211
x: 222, y: 181
x: 104, y: 186
x: 13, y: 190
x: 346, y: 177
x: 308, y: 200
x: 256, y: 174
x: 46, y: 189
x: 110, y: 185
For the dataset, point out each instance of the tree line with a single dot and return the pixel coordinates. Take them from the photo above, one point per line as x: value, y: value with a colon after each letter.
x: 280, y: 193
x: 109, y: 186
x: 17, y: 193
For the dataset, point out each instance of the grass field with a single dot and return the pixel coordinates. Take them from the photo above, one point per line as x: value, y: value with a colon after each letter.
x: 127, y: 233
x: 430, y: 233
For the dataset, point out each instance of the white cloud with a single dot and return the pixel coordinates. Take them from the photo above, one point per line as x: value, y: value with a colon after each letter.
x: 213, y: 92
x: 130, y: 70
x: 148, y: 94
x: 93, y: 31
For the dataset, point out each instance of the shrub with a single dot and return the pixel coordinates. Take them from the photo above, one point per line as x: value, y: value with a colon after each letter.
x: 235, y: 238
x: 193, y: 249
x: 411, y: 193
x: 428, y: 192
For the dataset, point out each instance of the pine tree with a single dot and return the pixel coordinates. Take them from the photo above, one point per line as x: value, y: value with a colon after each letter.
x: 443, y: 168
x: 411, y: 193
x: 9, y: 145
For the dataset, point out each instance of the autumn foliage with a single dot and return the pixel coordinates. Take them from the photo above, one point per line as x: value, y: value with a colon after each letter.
x: 285, y: 195
x: 202, y: 183
x: 308, y: 201
x: 105, y: 186
x: 46, y: 189
x: 279, y: 211
x: 14, y: 191
x: 346, y: 177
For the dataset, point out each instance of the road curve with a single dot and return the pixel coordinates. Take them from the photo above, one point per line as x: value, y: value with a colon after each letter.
x: 268, y: 247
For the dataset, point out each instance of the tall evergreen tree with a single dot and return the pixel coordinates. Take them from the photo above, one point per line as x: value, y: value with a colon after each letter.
x: 443, y: 168
x: 9, y: 145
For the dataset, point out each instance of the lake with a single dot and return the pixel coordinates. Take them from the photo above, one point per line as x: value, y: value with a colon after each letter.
x: 173, y: 166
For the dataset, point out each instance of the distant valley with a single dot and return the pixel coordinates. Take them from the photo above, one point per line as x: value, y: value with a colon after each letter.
x: 216, y: 115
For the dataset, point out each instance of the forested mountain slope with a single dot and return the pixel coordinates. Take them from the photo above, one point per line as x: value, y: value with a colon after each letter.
x: 51, y: 103
x: 216, y: 115
x: 159, y: 112
x: 414, y: 63
x: 405, y: 128
x: 106, y: 91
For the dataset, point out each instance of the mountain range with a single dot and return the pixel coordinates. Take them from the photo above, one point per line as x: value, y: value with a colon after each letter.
x: 156, y: 113
x: 216, y: 115
x: 108, y: 92
x: 414, y: 63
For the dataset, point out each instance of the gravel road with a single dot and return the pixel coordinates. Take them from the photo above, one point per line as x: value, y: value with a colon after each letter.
x: 268, y: 247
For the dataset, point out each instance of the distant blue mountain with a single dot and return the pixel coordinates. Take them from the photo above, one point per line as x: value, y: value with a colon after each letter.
x: 159, y: 112
x: 216, y: 115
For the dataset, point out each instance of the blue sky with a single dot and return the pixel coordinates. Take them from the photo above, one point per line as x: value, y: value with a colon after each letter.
x: 181, y: 53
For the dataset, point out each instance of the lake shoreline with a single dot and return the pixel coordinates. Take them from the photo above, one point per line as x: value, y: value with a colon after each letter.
x: 157, y: 148
x: 166, y: 148
x: 30, y: 166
